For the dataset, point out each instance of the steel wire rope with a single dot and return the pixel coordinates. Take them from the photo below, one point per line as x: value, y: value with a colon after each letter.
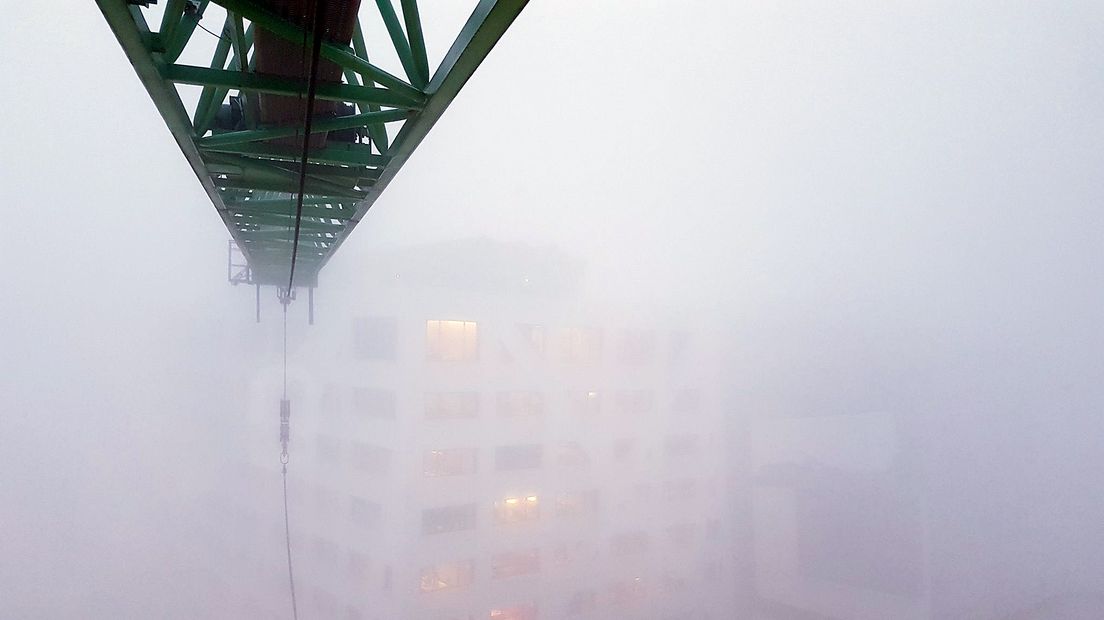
x: 317, y: 30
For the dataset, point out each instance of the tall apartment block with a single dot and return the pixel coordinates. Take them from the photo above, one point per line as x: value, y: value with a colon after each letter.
x: 472, y: 439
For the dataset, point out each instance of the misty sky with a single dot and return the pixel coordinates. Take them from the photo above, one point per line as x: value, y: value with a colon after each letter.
x: 888, y: 204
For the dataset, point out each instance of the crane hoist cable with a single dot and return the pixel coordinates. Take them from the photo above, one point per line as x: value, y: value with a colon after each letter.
x: 318, y: 31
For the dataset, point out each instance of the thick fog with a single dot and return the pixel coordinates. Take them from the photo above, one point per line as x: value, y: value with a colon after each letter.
x: 683, y: 310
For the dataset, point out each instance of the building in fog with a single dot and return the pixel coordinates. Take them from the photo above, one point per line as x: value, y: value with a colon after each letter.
x: 475, y: 440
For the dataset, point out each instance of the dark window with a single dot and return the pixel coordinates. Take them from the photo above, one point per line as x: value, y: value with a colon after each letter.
x: 374, y: 338
x: 372, y: 459
x: 448, y: 519
x: 374, y: 403
x: 506, y: 565
x: 509, y: 458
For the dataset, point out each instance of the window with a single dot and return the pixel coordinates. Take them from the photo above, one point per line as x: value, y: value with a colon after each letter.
x: 584, y: 403
x: 511, y: 458
x: 448, y: 519
x: 450, y: 462
x: 580, y: 344
x: 447, y: 576
x: 576, y: 504
x: 571, y: 454
x: 374, y: 403
x: 374, y: 338
x: 628, y: 593
x: 680, y: 445
x: 629, y: 544
x: 371, y: 459
x: 517, y: 509
x: 506, y: 565
x: 532, y: 335
x: 520, y: 404
x: 634, y: 402
x: 363, y: 512
x: 636, y: 346
x: 565, y: 555
x: 451, y: 405
x: 521, y: 612
x: 452, y: 341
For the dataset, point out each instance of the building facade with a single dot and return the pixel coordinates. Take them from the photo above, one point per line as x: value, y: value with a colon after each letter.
x: 474, y: 440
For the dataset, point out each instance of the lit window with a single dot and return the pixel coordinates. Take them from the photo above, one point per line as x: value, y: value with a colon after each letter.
x: 510, y: 458
x: 506, y: 565
x: 579, y: 344
x: 629, y: 544
x: 517, y: 509
x: 451, y: 405
x: 452, y: 341
x: 584, y: 403
x: 628, y: 593
x: 451, y: 462
x: 374, y: 338
x: 447, y: 576
x: 448, y: 519
x: 576, y: 504
x: 521, y: 612
x: 374, y: 403
x: 520, y: 404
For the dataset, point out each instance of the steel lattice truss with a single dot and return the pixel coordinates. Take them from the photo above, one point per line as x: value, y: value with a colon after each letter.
x: 249, y: 164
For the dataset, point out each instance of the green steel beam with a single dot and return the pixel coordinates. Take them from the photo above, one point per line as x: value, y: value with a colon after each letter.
x: 319, y: 124
x: 347, y: 154
x: 250, y: 177
x: 481, y: 32
x: 416, y: 39
x: 279, y: 85
x: 183, y: 34
x: 398, y: 40
x: 129, y: 26
x: 259, y: 15
x: 378, y: 132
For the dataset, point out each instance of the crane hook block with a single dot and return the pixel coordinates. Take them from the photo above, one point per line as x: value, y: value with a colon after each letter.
x: 285, y: 422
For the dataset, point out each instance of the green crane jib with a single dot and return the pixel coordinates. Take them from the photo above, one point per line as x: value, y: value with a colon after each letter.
x: 244, y: 137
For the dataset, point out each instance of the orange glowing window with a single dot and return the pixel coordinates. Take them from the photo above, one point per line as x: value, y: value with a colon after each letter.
x: 452, y: 341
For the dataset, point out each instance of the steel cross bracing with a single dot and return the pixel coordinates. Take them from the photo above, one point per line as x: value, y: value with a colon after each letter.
x: 248, y: 163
